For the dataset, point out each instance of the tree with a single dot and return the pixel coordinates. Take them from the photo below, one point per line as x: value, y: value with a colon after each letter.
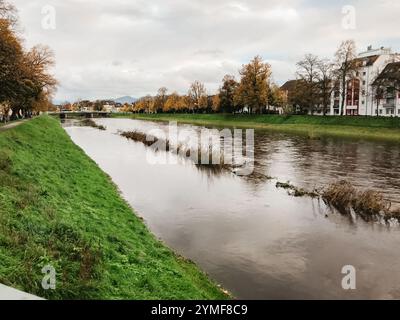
x: 185, y: 102
x: 11, y: 60
x: 326, y: 83
x: 173, y: 103
x: 197, y: 96
x: 8, y: 12
x: 76, y: 106
x: 26, y: 86
x: 227, y: 94
x: 161, y: 99
x: 279, y: 99
x: 86, y: 105
x: 148, y: 104
x: 126, y: 108
x: 308, y: 74
x: 5, y: 109
x: 216, y: 103
x: 138, y: 106
x: 35, y: 83
x: 98, y: 105
x: 252, y: 91
x: 297, y: 97
x: 345, y: 67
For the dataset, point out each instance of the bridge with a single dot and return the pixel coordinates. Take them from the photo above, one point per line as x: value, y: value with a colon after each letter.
x: 84, y: 114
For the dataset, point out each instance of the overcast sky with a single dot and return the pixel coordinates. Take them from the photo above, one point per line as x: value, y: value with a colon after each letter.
x: 107, y: 49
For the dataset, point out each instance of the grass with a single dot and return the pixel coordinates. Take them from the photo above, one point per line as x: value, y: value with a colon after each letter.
x: 381, y: 128
x: 295, y: 191
x: 147, y: 140
x: 369, y: 204
x: 57, y: 207
x: 182, y: 150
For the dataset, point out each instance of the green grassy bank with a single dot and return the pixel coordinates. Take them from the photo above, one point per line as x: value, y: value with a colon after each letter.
x: 313, y: 126
x: 58, y: 208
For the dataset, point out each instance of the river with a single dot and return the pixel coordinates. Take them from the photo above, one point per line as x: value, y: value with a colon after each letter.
x: 252, y: 238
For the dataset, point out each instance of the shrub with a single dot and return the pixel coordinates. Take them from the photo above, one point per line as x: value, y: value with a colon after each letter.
x: 340, y: 195
x: 344, y: 197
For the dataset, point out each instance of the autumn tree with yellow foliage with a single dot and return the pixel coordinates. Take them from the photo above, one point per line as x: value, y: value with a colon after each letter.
x: 253, y: 88
x: 253, y: 91
x: 26, y: 85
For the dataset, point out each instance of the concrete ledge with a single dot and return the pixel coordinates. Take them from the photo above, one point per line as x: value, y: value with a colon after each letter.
x: 7, y: 293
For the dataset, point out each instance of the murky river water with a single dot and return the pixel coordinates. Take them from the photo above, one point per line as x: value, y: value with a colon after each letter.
x: 256, y: 240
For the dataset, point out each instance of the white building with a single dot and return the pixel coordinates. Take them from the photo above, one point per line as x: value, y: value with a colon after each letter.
x: 387, y: 89
x: 361, y: 98
x: 113, y: 108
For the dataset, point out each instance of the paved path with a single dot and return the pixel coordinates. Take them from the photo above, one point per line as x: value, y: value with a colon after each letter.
x: 7, y: 293
x: 12, y: 124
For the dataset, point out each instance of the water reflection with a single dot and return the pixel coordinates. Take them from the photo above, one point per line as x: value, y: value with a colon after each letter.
x: 252, y: 238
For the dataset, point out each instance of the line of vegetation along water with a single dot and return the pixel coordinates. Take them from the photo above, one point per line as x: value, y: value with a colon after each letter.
x: 342, y: 195
x: 58, y: 208
x: 313, y: 127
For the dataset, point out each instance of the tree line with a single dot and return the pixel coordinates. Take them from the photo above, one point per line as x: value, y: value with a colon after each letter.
x: 26, y: 85
x: 255, y: 92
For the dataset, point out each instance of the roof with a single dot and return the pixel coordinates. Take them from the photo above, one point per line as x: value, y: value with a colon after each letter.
x: 391, y: 73
x: 369, y: 61
x: 289, y: 85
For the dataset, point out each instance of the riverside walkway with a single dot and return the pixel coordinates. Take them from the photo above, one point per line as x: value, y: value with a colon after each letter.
x: 7, y: 293
x: 12, y: 124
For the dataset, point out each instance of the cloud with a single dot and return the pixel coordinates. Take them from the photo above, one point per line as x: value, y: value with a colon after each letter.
x: 133, y: 47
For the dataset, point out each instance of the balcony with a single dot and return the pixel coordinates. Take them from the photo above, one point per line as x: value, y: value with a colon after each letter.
x: 390, y: 103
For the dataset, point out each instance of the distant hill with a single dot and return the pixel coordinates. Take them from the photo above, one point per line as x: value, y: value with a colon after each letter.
x: 122, y: 100
x: 125, y: 99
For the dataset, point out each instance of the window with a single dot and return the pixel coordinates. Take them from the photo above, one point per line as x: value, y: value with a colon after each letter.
x: 398, y: 111
x: 364, y: 73
x: 390, y: 92
x: 363, y: 102
x: 380, y: 111
x: 364, y: 82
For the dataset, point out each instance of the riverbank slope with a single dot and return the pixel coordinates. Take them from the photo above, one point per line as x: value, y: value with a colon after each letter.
x: 313, y: 126
x: 58, y: 208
